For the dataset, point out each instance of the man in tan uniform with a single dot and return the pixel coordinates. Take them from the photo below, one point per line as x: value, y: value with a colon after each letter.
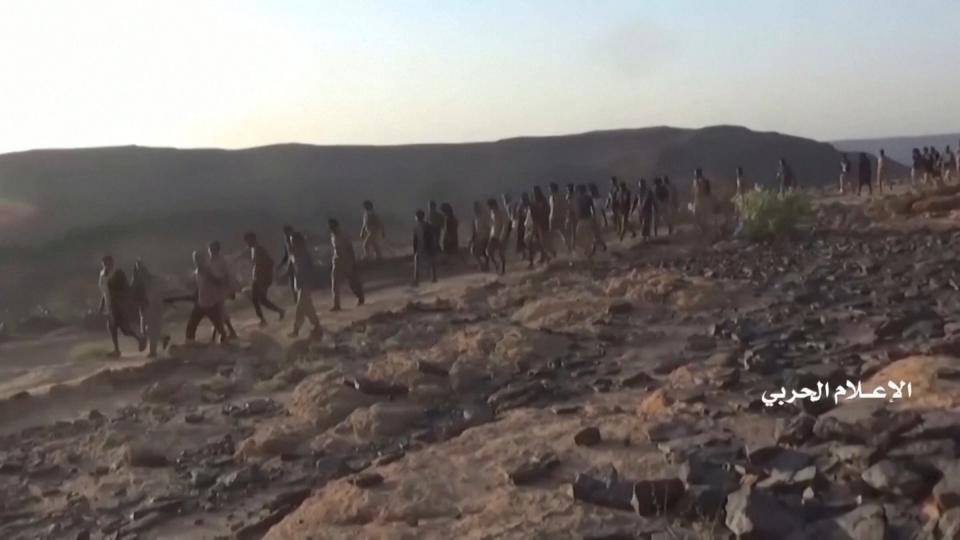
x: 497, y: 248
x: 371, y: 232
x: 881, y: 170
x: 343, y: 266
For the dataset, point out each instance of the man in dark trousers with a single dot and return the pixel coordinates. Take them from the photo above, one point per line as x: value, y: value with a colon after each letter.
x: 116, y: 302
x: 423, y: 249
x: 865, y: 174
x: 262, y: 278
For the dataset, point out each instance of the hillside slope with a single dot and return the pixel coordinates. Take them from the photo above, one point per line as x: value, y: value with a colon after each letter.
x: 124, y: 186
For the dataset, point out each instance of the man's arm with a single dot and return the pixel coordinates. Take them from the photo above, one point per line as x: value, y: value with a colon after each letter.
x: 414, y: 241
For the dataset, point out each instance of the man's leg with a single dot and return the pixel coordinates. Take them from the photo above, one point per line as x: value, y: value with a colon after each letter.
x: 336, y: 276
x: 225, y: 321
x: 356, y: 285
x: 196, y: 315
x: 309, y: 310
x: 112, y: 330
x: 267, y: 303
x: 221, y: 325
x: 123, y: 324
x: 257, y: 296
x: 417, y: 261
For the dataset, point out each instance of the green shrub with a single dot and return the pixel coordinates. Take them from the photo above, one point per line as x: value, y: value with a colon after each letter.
x: 766, y: 214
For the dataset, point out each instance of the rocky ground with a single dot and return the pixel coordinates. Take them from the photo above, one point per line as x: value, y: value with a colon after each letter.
x: 619, y: 401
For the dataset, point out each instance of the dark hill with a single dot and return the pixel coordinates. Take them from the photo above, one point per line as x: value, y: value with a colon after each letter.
x: 123, y: 186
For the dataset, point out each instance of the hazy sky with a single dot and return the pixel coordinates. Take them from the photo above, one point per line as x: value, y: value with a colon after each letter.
x: 242, y: 73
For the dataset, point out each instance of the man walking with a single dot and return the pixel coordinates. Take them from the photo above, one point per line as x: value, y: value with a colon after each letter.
x: 305, y: 283
x: 209, y: 304
x: 497, y: 249
x: 844, y: 172
x: 117, y: 304
x: 372, y: 232
x: 881, y: 170
x: 150, y: 305
x: 343, y: 266
x: 785, y: 177
x: 423, y: 249
x: 262, y: 278
x: 223, y: 274
x: 865, y: 175
x: 286, y: 266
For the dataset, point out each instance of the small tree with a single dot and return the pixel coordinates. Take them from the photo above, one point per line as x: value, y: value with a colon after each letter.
x: 765, y: 214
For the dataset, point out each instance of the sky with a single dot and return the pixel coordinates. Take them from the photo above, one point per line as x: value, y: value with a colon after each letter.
x: 238, y: 73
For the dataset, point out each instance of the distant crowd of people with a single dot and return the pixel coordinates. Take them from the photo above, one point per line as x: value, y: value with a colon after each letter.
x: 929, y: 167
x: 538, y: 226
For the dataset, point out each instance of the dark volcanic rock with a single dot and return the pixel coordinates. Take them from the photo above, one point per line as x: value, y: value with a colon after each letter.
x: 589, y: 436
x: 430, y: 368
x: 656, y: 497
x: 897, y: 478
x: 896, y: 325
x: 534, y: 470
x: 376, y: 388
x: 795, y: 431
x: 947, y: 490
x: 367, y: 480
x: 867, y: 522
x: 758, y: 515
x: 603, y: 488
x: 775, y: 458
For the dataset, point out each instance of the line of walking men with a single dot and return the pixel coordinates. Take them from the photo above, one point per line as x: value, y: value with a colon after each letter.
x: 575, y: 217
x: 929, y: 167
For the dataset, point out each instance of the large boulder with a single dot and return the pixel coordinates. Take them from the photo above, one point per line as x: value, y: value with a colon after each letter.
x: 325, y: 401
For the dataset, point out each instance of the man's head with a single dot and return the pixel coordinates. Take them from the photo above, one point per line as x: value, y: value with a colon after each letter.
x: 433, y: 206
x: 554, y: 188
x: 333, y: 224
x: 368, y: 205
x: 698, y: 173
x: 106, y: 262
x: 570, y: 188
x: 250, y: 238
x: 882, y: 153
x: 525, y: 197
x: 420, y: 215
x: 666, y: 180
x: 214, y: 248
x: 492, y: 204
x: 642, y: 183
x: 613, y: 180
x: 739, y: 172
x: 657, y: 181
x: 288, y: 230
x: 582, y: 189
x: 477, y: 207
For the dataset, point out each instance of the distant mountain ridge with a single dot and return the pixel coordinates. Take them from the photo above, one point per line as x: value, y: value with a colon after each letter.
x: 122, y: 186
